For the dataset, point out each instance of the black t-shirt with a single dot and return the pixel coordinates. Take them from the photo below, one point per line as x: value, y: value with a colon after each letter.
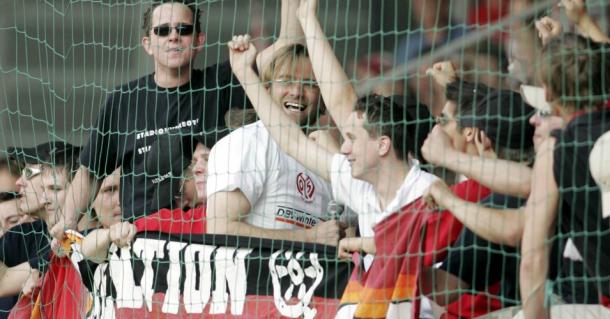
x: 6, y: 304
x: 580, y: 210
x: 481, y: 263
x: 147, y: 130
x: 23, y: 243
x: 26, y: 242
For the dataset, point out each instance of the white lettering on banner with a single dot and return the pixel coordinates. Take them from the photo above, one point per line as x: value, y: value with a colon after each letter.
x: 300, y: 309
x: 103, y: 306
x: 195, y: 300
x: 148, y: 250
x: 172, y: 296
x: 164, y: 130
x: 227, y: 267
x: 231, y: 269
x: 128, y: 294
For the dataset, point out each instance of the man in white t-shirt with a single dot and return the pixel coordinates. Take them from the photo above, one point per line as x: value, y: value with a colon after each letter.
x: 256, y: 189
x: 375, y: 175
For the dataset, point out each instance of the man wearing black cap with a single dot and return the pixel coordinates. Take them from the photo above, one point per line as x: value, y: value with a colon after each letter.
x: 47, y: 172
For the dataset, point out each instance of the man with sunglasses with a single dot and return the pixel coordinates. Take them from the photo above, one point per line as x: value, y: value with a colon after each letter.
x: 165, y: 107
x: 24, y: 249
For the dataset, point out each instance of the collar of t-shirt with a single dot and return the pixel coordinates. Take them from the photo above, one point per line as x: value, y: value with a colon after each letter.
x: 413, y: 187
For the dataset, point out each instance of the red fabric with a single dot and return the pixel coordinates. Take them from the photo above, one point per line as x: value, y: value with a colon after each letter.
x: 605, y: 301
x: 62, y: 295
x: 404, y: 242
x: 174, y: 221
x: 24, y: 306
x: 482, y: 12
x: 474, y: 306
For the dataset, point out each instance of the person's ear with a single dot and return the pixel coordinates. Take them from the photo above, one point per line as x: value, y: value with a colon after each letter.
x: 470, y: 134
x: 385, y: 146
x: 200, y: 41
x: 146, y: 45
x: 548, y: 96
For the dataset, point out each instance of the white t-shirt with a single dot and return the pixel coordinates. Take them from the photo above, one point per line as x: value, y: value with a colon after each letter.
x: 360, y: 196
x: 282, y: 193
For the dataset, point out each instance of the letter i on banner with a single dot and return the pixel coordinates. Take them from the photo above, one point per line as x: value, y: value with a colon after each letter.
x: 128, y: 294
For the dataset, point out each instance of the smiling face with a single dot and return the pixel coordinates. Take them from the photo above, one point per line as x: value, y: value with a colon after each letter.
x: 107, y: 203
x: 172, y: 52
x: 360, y: 148
x: 295, y: 88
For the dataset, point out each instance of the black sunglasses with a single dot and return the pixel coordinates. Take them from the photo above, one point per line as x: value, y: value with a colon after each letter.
x: 30, y: 172
x: 182, y: 29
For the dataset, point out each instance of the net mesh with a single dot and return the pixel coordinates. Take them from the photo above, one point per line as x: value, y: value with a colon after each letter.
x: 81, y: 72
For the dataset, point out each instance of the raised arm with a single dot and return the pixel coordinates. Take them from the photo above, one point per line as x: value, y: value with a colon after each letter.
x: 281, y: 127
x: 540, y: 213
x: 336, y: 89
x: 290, y: 33
x: 79, y: 195
x: 501, y: 176
x: 502, y: 226
x: 576, y: 11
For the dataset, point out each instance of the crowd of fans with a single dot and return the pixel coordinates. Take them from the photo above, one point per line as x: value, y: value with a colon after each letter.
x: 263, y: 145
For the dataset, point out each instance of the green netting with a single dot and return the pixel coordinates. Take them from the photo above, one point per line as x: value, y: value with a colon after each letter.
x: 265, y: 242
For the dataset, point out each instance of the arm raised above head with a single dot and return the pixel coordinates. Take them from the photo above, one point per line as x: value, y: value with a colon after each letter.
x: 290, y: 33
x: 281, y: 127
x: 540, y: 214
x: 337, y: 90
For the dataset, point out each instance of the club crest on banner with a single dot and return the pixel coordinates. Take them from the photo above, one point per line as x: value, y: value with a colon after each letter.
x: 304, y: 275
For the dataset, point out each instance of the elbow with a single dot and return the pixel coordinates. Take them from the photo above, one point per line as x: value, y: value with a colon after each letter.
x: 528, y: 267
x: 219, y: 226
x: 524, y: 190
x: 4, y: 292
x: 513, y: 236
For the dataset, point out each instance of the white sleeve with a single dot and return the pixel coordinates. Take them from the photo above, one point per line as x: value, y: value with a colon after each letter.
x: 238, y: 161
x: 346, y: 189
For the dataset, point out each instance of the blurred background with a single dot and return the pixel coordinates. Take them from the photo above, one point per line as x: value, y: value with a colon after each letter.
x: 59, y: 59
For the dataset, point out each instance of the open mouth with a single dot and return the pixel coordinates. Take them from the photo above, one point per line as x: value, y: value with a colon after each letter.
x: 295, y: 107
